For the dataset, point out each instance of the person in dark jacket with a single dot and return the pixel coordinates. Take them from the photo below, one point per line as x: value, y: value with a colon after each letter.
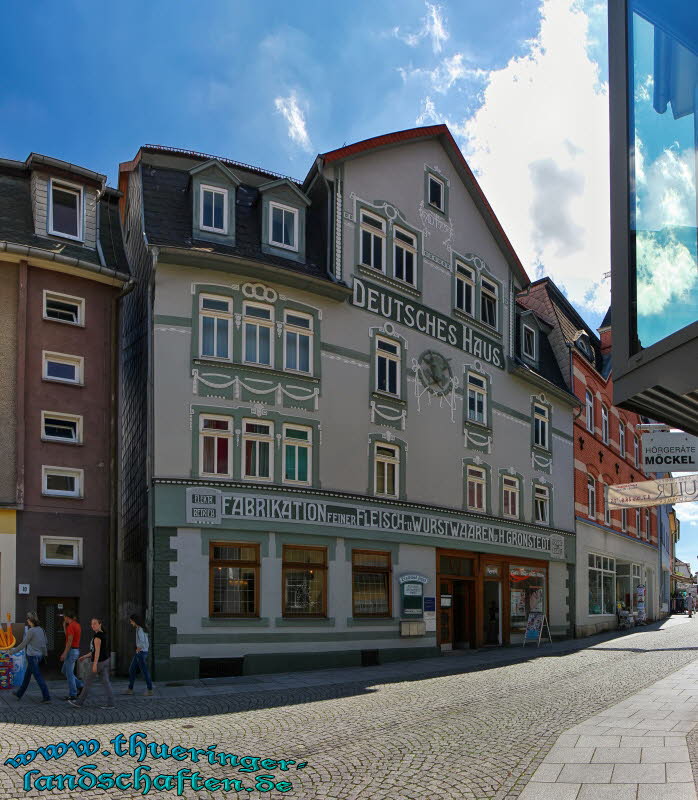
x: 100, y: 664
x: 139, y: 663
x: 35, y: 643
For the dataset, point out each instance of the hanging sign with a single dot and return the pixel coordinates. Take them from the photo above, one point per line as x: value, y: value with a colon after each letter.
x: 674, y: 451
x: 653, y: 493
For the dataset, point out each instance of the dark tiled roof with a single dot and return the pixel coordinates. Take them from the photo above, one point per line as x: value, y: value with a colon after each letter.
x: 606, y: 320
x: 168, y: 220
x: 547, y: 366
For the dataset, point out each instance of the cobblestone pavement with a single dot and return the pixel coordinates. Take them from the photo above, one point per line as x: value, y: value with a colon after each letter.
x: 478, y: 734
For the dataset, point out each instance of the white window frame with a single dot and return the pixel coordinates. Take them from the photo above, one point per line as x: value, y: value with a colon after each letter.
x: 76, y: 418
x: 60, y: 562
x: 374, y: 231
x: 215, y: 190
x: 285, y: 209
x: 466, y: 276
x: 605, y: 424
x: 492, y: 293
x: 544, y: 419
x: 215, y: 434
x: 477, y: 476
x: 603, y: 570
x: 260, y: 322
x: 443, y: 192
x: 78, y: 474
x: 384, y: 461
x: 209, y: 313
x: 306, y: 444
x: 71, y: 188
x: 389, y: 357
x: 532, y: 331
x: 308, y: 332
x: 606, y: 509
x: 589, y: 401
x: 511, y: 488
x: 541, y: 494
x: 476, y: 390
x: 636, y: 451
x: 621, y: 439
x: 591, y: 496
x: 257, y: 437
x: 648, y: 524
x: 64, y: 298
x: 64, y: 358
x: 406, y: 248
x: 638, y: 522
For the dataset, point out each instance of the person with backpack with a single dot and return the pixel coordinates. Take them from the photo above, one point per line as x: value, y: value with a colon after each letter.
x: 35, y: 643
x: 99, y: 664
x: 70, y: 654
x: 139, y: 663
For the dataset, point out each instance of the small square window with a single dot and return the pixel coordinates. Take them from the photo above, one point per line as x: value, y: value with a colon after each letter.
x: 64, y: 308
x: 528, y: 342
x: 62, y: 368
x: 65, y: 210
x: 66, y: 428
x: 61, y: 552
x: 60, y: 482
x: 436, y: 193
x: 283, y: 226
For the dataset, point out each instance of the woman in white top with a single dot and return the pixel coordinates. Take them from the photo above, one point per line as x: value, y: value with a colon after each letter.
x: 139, y: 663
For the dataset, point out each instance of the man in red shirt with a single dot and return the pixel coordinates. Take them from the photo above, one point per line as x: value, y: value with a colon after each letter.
x: 70, y: 654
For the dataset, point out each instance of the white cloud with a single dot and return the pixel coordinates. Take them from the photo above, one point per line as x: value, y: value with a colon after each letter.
x: 666, y: 272
x: 666, y: 188
x: 293, y: 114
x: 687, y: 512
x: 433, y: 27
x: 445, y: 75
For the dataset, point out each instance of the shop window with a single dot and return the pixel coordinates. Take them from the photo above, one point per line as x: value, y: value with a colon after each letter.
x: 465, y: 289
x: 64, y: 308
x: 387, y: 466
x: 233, y: 580
x: 304, y: 578
x: 591, y: 496
x: 540, y: 426
x: 477, y: 399
x: 298, y: 341
x: 602, y: 584
x: 258, y: 450
x: 388, y: 375
x: 604, y: 425
x: 372, y: 241
x: 259, y: 334
x: 590, y: 411
x: 60, y: 552
x: 510, y: 500
x: 215, y: 446
x: 371, y: 595
x: 628, y: 578
x: 476, y: 486
x: 298, y: 454
x: 215, y: 326
x: 527, y: 594
x: 542, y: 504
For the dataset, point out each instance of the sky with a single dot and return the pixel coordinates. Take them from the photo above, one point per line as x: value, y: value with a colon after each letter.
x: 522, y: 85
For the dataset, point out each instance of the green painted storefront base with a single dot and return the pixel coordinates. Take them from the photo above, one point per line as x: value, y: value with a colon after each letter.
x: 179, y: 669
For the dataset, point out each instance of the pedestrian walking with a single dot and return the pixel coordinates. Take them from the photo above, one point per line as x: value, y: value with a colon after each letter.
x: 100, y: 663
x: 690, y: 605
x: 35, y: 643
x: 71, y: 653
x: 139, y: 662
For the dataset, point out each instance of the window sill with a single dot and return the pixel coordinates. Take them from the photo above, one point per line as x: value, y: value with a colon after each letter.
x: 353, y: 622
x: 543, y: 451
x: 231, y: 622
x: 289, y: 622
x: 64, y: 382
x: 474, y: 321
x: 60, y: 566
x: 394, y: 283
x: 478, y: 426
x: 63, y: 322
x: 66, y: 236
x: 390, y: 397
x: 61, y: 441
x: 63, y: 496
x: 224, y: 362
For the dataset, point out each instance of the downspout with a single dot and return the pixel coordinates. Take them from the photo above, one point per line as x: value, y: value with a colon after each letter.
x: 149, y: 610
x: 330, y: 217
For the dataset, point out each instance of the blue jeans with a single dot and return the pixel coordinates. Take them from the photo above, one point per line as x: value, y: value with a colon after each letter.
x: 68, y: 669
x: 139, y: 663
x: 33, y: 669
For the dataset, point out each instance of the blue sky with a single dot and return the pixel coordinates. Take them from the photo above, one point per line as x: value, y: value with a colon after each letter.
x: 521, y: 83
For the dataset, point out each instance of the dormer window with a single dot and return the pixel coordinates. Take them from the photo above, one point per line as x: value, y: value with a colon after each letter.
x: 283, y: 226
x: 528, y: 342
x: 436, y: 193
x: 65, y: 210
x: 584, y: 345
x: 214, y: 209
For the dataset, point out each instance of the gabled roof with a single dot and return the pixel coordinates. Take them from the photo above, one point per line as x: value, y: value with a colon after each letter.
x: 216, y: 163
x: 265, y: 187
x: 606, y: 320
x: 443, y: 134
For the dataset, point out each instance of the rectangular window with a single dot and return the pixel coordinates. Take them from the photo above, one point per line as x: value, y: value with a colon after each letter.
x: 62, y: 368
x: 624, y: 519
x: 215, y: 446
x: 258, y: 450
x: 528, y: 343
x: 636, y: 451
x: 436, y: 193
x: 298, y: 454
x: 590, y: 411
x: 370, y: 584
x: 527, y: 587
x: 65, y: 210
x: 215, y: 326
x: 488, y: 303
x: 540, y: 426
x: 387, y: 366
x: 465, y: 289
x: 591, y: 496
x: 621, y: 439
x: 477, y: 399
x: 283, y: 226
x: 510, y: 504
x: 214, y: 209
x: 233, y: 580
x: 372, y: 241
x: 602, y: 584
x: 387, y: 469
x: 604, y: 425
x: 304, y: 578
x: 60, y: 552
x: 298, y: 341
x: 57, y: 427
x: 541, y: 499
x: 648, y: 529
x: 404, y: 256
x: 64, y: 308
x: 606, y: 511
x: 259, y: 334
x: 476, y: 486
x: 60, y: 482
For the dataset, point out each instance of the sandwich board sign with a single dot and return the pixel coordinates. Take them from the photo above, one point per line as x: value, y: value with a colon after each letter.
x: 673, y: 451
x: 535, y: 624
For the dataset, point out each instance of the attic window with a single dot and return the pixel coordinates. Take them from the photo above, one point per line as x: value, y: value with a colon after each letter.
x: 283, y: 226
x: 528, y: 342
x: 214, y: 209
x: 584, y: 346
x: 65, y: 210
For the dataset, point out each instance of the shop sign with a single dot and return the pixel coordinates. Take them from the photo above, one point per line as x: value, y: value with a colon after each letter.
x: 393, y: 306
x: 653, y: 493
x: 211, y: 506
x: 674, y: 451
x: 413, y: 577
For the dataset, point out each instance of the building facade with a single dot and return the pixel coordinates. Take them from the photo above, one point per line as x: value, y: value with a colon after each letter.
x: 354, y: 453
x: 617, y: 551
x: 62, y: 267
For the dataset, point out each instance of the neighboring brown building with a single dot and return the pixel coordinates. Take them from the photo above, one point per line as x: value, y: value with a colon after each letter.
x: 62, y: 270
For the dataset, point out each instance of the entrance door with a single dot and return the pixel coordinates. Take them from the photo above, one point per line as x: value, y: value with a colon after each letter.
x: 446, y: 614
x: 492, y: 609
x: 50, y: 611
x: 463, y: 615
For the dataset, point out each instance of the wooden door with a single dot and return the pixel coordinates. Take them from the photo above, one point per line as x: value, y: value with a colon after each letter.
x: 446, y: 614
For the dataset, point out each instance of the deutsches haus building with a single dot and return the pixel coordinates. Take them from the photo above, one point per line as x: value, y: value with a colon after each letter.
x: 354, y: 451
